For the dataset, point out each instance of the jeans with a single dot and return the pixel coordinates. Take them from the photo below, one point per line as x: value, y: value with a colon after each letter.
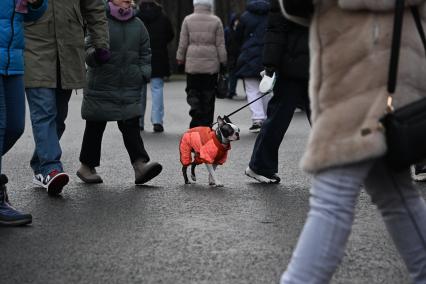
x: 287, y: 95
x: 258, y: 108
x: 48, y: 111
x: 90, y: 154
x: 334, y: 195
x: 12, y: 111
x: 157, y: 110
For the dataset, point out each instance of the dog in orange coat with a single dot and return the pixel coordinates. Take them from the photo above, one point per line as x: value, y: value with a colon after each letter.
x: 203, y: 145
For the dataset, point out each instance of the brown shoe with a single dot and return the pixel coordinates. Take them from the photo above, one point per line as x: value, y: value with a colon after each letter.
x: 88, y: 174
x: 145, y: 171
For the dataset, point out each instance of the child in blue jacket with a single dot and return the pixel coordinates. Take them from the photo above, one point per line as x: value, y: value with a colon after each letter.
x: 12, y: 97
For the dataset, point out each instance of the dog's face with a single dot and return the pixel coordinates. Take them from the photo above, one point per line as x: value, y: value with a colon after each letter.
x: 230, y: 132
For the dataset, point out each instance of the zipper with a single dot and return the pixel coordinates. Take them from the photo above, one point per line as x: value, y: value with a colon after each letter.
x: 12, y: 29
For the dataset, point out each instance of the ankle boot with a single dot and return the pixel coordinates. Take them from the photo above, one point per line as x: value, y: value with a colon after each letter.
x: 88, y: 174
x: 9, y: 216
x: 145, y: 171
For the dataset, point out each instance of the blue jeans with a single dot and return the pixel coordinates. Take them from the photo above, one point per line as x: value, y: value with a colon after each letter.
x: 334, y: 195
x: 48, y: 111
x: 157, y: 111
x: 12, y: 111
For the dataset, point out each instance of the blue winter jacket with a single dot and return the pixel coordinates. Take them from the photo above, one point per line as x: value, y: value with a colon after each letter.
x: 12, y: 35
x: 250, y: 33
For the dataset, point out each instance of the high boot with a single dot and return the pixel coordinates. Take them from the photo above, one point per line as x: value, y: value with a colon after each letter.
x: 88, y: 174
x: 9, y: 216
x: 145, y: 171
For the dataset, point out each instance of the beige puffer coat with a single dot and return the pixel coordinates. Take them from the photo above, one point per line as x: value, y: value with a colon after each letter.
x: 350, y: 50
x: 202, y: 42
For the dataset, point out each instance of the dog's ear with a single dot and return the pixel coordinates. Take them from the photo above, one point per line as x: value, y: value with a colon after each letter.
x: 226, y: 119
x: 220, y: 121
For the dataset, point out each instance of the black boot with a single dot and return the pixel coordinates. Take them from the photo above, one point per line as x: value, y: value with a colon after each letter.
x: 9, y: 216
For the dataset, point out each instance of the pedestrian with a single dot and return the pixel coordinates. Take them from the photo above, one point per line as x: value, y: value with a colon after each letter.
x: 161, y: 34
x: 350, y: 43
x: 12, y: 94
x: 113, y: 93
x: 250, y: 35
x: 54, y: 66
x: 285, y: 53
x: 232, y: 50
x: 202, y: 50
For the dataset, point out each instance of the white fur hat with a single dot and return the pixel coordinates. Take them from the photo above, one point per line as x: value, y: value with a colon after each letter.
x: 204, y: 2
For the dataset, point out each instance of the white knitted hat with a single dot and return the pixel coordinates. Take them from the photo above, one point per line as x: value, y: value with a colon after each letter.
x: 204, y: 2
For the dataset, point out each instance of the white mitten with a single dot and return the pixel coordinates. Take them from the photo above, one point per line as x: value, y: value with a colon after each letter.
x: 267, y: 83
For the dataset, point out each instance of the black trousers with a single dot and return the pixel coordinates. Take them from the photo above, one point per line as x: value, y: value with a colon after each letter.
x: 288, y: 94
x: 90, y: 154
x: 201, y: 96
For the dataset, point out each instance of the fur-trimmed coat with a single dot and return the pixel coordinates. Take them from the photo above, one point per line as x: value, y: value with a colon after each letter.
x: 350, y: 49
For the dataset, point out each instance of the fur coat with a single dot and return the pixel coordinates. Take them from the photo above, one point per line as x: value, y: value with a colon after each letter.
x: 350, y: 49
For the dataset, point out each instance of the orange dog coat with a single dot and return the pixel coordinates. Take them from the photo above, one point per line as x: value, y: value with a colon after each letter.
x: 204, y: 143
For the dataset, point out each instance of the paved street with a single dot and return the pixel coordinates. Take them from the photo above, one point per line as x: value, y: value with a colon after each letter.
x: 166, y: 232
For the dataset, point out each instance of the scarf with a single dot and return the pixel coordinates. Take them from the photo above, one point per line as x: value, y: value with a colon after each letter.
x: 119, y: 13
x: 21, y: 6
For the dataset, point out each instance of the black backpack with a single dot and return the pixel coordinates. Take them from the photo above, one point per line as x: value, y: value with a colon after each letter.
x: 299, y: 8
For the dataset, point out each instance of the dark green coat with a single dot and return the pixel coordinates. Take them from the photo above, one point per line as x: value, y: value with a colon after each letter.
x: 59, y: 34
x: 114, y: 88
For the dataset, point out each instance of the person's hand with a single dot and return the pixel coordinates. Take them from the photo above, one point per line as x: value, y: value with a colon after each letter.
x: 102, y: 55
x: 268, y: 81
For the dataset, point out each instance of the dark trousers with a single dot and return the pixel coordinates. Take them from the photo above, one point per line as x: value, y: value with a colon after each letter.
x: 201, y: 95
x: 90, y: 154
x: 288, y: 94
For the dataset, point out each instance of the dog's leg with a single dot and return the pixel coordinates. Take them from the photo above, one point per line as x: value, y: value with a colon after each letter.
x: 193, y: 177
x: 212, y: 176
x: 185, y: 175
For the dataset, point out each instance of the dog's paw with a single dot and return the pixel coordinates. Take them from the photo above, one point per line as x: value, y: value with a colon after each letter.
x: 190, y: 182
x: 219, y: 184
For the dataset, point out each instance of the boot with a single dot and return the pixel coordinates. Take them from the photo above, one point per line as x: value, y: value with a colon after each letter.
x: 9, y: 216
x: 88, y: 174
x: 145, y: 171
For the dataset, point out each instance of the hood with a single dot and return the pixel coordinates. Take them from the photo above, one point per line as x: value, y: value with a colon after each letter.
x: 203, y: 2
x: 149, y: 11
x: 260, y: 7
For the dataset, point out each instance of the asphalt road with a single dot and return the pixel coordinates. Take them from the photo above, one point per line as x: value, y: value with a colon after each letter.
x: 166, y: 232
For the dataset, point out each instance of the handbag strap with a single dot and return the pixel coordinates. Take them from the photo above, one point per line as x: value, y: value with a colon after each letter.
x: 396, y: 40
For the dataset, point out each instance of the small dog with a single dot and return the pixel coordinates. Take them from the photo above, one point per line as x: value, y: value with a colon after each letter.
x: 203, y: 145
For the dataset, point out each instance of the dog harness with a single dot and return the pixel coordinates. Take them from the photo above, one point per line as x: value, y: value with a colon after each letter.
x: 207, y: 149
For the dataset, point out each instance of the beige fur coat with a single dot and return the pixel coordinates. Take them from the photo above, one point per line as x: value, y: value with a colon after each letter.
x: 350, y: 49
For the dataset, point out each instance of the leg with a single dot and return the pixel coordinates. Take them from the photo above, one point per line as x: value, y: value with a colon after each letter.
x: 193, y: 99
x: 404, y: 212
x: 3, y: 118
x: 62, y: 100
x: 322, y: 243
x: 90, y: 153
x: 143, y: 107
x: 252, y: 91
x: 213, y: 180
x: 193, y: 176
x: 133, y: 140
x: 208, y: 98
x: 157, y: 113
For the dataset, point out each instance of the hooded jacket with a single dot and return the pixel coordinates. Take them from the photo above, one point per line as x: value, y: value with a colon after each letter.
x: 202, y: 141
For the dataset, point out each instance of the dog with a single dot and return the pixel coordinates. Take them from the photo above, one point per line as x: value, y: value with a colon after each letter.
x: 204, y: 145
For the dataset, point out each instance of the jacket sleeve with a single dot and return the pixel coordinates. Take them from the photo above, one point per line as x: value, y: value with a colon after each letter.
x: 35, y: 12
x: 183, y: 41
x: 275, y: 37
x: 93, y: 12
x: 90, y: 52
x: 145, y: 54
x: 220, y: 43
x: 170, y: 34
x: 375, y: 5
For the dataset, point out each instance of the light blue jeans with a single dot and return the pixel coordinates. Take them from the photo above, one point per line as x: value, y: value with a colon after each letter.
x: 157, y: 111
x: 334, y: 195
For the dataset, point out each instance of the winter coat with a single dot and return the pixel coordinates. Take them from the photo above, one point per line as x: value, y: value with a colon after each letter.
x: 203, y: 142
x: 59, y: 35
x: 202, y: 42
x: 12, y: 35
x: 114, y: 88
x: 161, y: 34
x: 250, y: 33
x: 231, y: 43
x: 350, y: 49
x: 286, y: 47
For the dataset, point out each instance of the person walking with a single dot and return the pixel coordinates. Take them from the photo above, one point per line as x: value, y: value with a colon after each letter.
x: 202, y: 50
x: 232, y: 50
x: 161, y: 34
x: 285, y: 53
x: 54, y: 66
x: 250, y: 35
x: 346, y: 147
x: 113, y: 93
x: 12, y: 95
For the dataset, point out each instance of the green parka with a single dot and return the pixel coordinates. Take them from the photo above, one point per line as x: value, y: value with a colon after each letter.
x: 59, y: 34
x: 114, y: 88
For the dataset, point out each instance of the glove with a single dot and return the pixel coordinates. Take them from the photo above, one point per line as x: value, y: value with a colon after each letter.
x: 102, y: 55
x: 268, y: 81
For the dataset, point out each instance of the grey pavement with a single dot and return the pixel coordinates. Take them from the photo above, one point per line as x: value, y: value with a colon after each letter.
x: 166, y: 232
